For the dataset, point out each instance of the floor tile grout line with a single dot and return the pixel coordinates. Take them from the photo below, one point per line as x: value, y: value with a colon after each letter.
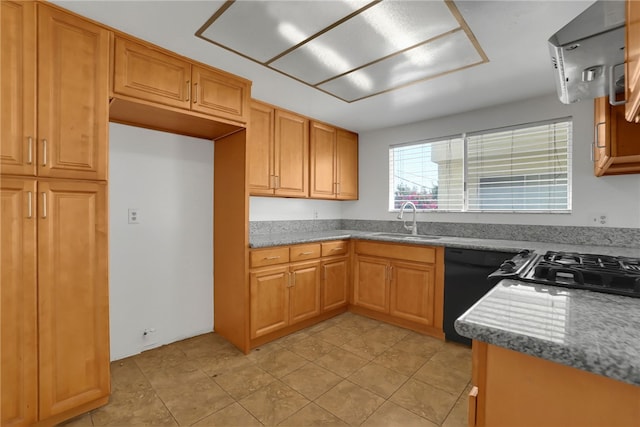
x: 368, y: 362
x: 154, y: 389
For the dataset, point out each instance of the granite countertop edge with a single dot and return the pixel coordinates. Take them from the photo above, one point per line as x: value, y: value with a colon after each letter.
x: 281, y: 239
x: 610, y: 352
x: 576, y: 358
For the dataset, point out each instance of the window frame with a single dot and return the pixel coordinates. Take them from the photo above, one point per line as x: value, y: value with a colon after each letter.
x: 465, y: 163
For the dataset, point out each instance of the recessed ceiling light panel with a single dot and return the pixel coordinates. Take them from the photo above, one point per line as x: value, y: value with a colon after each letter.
x: 349, y: 49
x: 444, y: 55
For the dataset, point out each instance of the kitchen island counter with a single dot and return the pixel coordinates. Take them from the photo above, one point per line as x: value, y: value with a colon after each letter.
x: 591, y: 331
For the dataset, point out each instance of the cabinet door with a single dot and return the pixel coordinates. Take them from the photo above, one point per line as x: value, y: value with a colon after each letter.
x: 347, y: 165
x: 219, y: 94
x: 269, y: 300
x: 602, y: 141
x: 371, y: 283
x: 412, y: 292
x: 616, y: 148
x: 260, y: 149
x: 323, y: 161
x: 335, y: 284
x: 18, y: 88
x: 18, y: 302
x: 73, y: 96
x: 632, y: 61
x: 291, y: 155
x: 151, y: 75
x: 304, y: 293
x: 73, y: 304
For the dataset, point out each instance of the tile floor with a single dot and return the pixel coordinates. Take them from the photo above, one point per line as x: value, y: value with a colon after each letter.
x: 349, y: 370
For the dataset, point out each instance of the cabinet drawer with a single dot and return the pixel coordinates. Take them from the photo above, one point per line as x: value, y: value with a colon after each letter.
x: 269, y: 256
x: 405, y: 252
x: 302, y: 252
x: 334, y: 248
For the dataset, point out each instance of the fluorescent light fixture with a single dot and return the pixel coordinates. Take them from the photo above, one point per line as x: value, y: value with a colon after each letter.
x: 349, y: 49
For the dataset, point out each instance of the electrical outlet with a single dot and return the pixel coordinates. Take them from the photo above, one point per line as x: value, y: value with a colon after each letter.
x: 598, y: 219
x: 315, y: 214
x: 149, y: 337
x: 134, y: 216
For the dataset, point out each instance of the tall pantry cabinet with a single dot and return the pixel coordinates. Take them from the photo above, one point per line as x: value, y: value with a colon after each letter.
x: 53, y: 184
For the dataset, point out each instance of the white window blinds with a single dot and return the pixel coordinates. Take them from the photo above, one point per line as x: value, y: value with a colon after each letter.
x: 524, y: 168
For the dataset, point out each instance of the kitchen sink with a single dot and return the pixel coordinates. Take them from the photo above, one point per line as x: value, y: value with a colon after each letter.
x: 406, y: 236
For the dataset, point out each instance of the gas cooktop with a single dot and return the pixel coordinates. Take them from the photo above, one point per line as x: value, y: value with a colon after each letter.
x: 600, y: 273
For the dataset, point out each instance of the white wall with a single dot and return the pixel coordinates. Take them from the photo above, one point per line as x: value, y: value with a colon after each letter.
x: 161, y: 270
x: 281, y: 209
x: 617, y: 196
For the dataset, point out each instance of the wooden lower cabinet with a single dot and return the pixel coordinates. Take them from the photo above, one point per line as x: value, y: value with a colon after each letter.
x: 515, y: 389
x: 412, y: 292
x: 335, y: 283
x: 294, y: 286
x: 402, y: 284
x: 304, y: 291
x: 18, y: 303
x: 371, y: 283
x: 57, y: 328
x: 73, y: 303
x: 269, y: 300
x: 283, y: 295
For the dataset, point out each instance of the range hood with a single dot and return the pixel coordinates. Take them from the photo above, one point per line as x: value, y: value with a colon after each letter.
x: 588, y: 50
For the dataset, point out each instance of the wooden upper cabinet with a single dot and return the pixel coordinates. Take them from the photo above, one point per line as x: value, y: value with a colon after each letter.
x: 333, y: 163
x: 291, y: 155
x: 149, y: 74
x: 73, y: 96
x: 217, y: 94
x: 632, y: 61
x: 347, y: 165
x: 73, y: 302
x: 260, y: 148
x: 323, y: 161
x: 18, y: 301
x: 18, y: 88
x: 277, y: 152
x: 616, y: 148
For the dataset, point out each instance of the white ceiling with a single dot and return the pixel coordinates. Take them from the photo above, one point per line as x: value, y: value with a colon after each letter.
x: 513, y: 34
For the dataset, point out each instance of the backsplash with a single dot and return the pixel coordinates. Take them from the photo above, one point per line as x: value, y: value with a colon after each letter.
x: 296, y: 226
x: 601, y: 236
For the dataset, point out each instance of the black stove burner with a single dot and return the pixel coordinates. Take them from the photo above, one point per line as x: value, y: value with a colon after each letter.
x: 602, y: 273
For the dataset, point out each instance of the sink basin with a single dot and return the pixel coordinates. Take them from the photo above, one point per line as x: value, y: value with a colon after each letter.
x: 407, y: 236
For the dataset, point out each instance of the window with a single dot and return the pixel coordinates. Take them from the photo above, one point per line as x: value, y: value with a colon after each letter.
x: 518, y: 169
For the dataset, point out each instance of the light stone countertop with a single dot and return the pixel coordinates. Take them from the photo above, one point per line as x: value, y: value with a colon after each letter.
x: 592, y: 331
x: 279, y: 239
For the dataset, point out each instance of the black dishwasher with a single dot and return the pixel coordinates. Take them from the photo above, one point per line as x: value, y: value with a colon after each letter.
x: 465, y: 282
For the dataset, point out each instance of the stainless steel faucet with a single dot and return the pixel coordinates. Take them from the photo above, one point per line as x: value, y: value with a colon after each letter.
x: 413, y: 228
